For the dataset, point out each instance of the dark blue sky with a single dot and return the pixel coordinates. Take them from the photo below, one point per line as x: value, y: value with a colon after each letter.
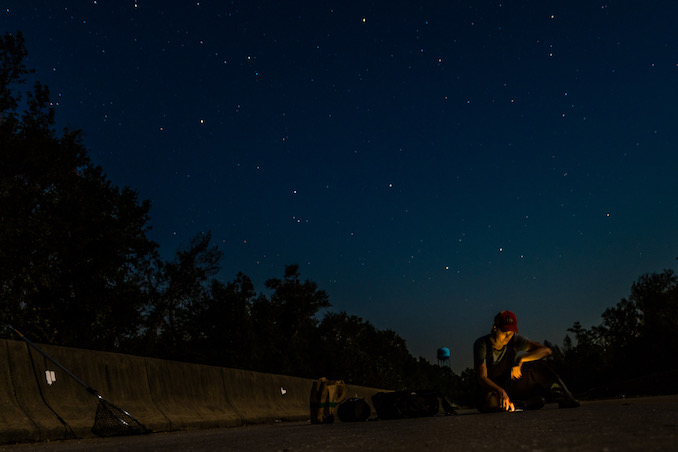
x: 426, y: 163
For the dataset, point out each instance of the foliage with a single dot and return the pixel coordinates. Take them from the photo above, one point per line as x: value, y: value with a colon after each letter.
x: 176, y: 296
x: 291, y: 319
x: 230, y: 341
x: 358, y: 352
x: 73, y: 248
x: 636, y: 337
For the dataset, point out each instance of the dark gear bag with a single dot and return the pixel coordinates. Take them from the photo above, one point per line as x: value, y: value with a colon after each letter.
x: 353, y: 410
x: 410, y: 404
x: 436, y: 400
x: 326, y: 395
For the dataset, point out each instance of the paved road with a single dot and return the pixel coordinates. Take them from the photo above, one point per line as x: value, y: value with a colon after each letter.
x: 642, y: 424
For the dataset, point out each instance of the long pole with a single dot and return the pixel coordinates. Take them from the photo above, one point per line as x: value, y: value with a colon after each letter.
x: 29, y: 342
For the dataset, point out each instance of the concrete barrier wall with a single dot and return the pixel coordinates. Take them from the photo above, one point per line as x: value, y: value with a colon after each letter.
x: 190, y: 395
x: 41, y: 402
x: 16, y: 424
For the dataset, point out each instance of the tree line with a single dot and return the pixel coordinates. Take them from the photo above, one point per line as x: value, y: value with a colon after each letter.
x: 77, y: 269
x: 637, y: 337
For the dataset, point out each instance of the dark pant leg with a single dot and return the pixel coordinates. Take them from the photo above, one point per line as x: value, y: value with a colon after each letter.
x: 536, y: 381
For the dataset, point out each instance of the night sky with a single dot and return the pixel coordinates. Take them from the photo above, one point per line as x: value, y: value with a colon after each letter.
x: 427, y: 163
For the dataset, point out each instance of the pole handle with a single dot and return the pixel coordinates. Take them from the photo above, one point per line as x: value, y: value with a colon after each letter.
x: 68, y: 372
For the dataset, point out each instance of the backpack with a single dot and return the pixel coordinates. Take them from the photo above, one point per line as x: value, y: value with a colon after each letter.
x: 410, y: 404
x: 326, y: 395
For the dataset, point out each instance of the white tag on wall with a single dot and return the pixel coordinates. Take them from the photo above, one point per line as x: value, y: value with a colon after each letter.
x: 50, y: 376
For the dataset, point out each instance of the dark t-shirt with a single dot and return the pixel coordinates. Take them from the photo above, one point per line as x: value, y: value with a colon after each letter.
x: 480, y: 349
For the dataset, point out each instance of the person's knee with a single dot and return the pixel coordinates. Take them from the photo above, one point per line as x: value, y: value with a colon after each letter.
x: 539, y: 372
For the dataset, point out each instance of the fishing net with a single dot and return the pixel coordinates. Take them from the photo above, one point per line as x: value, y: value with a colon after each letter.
x: 113, y: 421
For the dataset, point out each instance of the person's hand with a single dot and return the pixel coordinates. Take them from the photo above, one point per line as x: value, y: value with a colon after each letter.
x: 505, y: 402
x: 516, y: 373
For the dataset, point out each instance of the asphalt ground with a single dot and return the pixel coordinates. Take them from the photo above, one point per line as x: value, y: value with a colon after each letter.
x: 642, y: 424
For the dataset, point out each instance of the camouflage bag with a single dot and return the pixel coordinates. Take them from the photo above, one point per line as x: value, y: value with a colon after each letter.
x: 326, y: 395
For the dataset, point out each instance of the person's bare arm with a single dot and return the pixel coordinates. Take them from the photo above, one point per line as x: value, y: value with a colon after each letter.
x: 535, y: 352
x: 485, y: 381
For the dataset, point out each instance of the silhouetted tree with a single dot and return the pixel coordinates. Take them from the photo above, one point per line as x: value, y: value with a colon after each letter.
x: 227, y: 336
x: 73, y: 247
x: 636, y: 337
x: 290, y: 318
x: 354, y: 350
x: 654, y: 300
x: 348, y: 342
x: 468, y: 388
x: 178, y: 297
x: 270, y: 349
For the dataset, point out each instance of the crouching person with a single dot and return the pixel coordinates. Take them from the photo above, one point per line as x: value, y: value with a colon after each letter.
x: 510, y: 372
